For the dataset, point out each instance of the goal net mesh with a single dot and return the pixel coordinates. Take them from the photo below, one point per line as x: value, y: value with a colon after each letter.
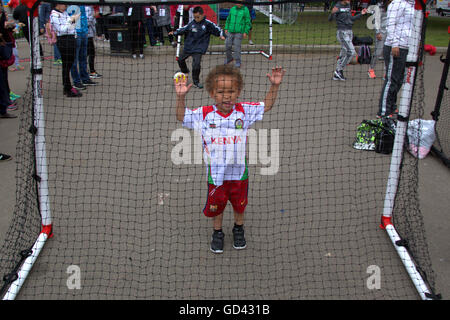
x: 127, y: 204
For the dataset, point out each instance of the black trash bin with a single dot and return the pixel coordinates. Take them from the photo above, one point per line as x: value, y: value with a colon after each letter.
x: 119, y: 35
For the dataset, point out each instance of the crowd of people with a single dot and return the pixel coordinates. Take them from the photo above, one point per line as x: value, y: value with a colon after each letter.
x: 392, y: 40
x: 71, y: 31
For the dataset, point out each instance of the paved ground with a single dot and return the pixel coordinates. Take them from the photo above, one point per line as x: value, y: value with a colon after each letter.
x: 434, y: 197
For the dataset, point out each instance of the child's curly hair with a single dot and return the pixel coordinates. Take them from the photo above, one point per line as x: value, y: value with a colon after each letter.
x: 226, y: 70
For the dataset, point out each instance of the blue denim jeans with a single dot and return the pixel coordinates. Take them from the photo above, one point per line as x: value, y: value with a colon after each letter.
x: 79, y: 68
x: 56, y: 53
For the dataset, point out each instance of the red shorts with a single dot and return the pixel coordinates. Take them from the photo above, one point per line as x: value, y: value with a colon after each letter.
x: 234, y: 191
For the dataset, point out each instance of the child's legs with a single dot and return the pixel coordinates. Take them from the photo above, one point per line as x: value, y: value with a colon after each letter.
x: 238, y: 197
x: 150, y: 30
x: 169, y: 29
x: 237, y: 42
x: 182, y: 62
x: 82, y: 59
x: 238, y: 218
x: 16, y: 55
x: 91, y: 54
x: 56, y: 52
x: 229, y: 47
x: 395, y: 71
x: 196, y: 67
x: 215, y: 204
x: 345, y: 37
x: 74, y: 69
x: 378, y: 52
x: 217, y: 222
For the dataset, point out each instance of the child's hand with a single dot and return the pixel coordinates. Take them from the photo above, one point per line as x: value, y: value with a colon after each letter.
x: 222, y: 37
x: 276, y: 76
x: 181, y: 87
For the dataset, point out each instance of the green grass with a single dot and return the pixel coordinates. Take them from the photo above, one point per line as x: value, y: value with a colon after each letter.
x: 436, y: 32
x: 313, y: 28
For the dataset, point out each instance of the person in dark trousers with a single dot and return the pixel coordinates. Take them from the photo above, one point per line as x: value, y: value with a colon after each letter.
x: 64, y: 26
x: 136, y: 20
x: 400, y: 16
x: 162, y: 21
x: 149, y: 11
x: 5, y: 56
x: 92, y: 31
x: 198, y: 33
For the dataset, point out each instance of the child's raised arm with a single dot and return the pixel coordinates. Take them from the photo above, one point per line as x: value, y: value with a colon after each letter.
x: 275, y: 79
x: 181, y: 89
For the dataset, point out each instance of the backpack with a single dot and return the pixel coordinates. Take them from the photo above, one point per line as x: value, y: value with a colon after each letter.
x: 366, y: 134
x: 375, y: 135
x: 365, y: 55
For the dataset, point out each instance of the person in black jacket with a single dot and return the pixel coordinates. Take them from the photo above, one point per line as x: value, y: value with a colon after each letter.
x: 198, y: 33
x: 136, y: 20
x: 20, y: 14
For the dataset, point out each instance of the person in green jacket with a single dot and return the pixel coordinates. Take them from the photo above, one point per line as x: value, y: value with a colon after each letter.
x: 237, y: 27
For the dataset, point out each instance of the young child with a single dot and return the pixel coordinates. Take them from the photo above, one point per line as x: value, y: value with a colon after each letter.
x: 223, y: 127
x: 237, y: 27
x: 344, y: 22
x: 198, y: 32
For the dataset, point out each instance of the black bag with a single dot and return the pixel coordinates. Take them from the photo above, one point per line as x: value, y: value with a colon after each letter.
x: 384, y: 141
x: 358, y: 41
x: 365, y: 55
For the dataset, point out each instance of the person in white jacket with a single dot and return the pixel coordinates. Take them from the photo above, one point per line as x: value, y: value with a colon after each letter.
x: 64, y: 26
x: 400, y: 17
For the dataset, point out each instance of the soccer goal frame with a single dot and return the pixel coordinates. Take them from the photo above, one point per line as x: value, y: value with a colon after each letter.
x: 16, y: 279
x: 20, y: 273
x: 412, y: 62
x: 265, y: 54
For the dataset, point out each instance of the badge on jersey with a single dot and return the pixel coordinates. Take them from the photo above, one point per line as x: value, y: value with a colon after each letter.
x: 239, y: 124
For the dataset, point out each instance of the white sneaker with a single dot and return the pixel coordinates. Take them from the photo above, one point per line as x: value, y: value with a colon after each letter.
x: 133, y: 56
x: 141, y: 56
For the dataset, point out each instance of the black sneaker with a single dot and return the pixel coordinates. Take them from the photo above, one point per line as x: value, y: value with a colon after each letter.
x: 95, y: 75
x: 198, y: 85
x: 338, y: 75
x: 89, y: 83
x: 8, y: 115
x: 239, y: 238
x: 4, y: 157
x: 217, y: 241
x: 73, y: 93
x: 79, y: 86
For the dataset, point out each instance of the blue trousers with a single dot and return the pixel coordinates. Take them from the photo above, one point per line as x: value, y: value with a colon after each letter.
x: 79, y: 68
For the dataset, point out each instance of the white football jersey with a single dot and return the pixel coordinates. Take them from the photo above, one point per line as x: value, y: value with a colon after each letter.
x: 224, y: 138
